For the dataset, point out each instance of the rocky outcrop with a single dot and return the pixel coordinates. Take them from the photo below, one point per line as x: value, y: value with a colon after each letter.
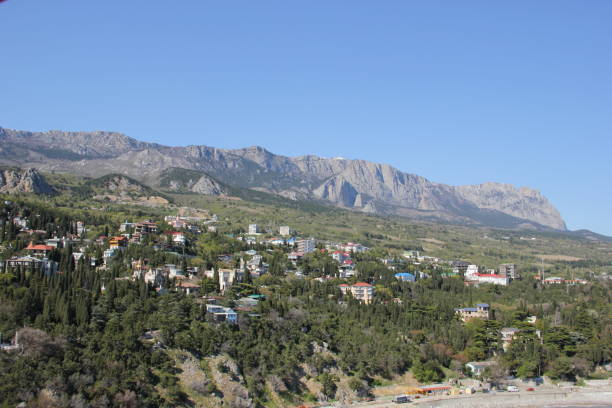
x: 14, y: 181
x: 355, y: 184
x: 522, y: 202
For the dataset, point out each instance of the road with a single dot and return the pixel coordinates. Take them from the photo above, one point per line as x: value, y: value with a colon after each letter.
x: 505, y: 399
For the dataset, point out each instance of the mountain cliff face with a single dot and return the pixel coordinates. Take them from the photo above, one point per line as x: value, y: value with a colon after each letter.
x: 355, y: 184
x: 14, y: 181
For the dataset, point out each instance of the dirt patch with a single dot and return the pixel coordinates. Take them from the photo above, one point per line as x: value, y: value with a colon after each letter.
x: 432, y: 241
x: 553, y: 257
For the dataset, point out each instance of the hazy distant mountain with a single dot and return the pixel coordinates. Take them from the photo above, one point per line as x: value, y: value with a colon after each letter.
x: 355, y: 184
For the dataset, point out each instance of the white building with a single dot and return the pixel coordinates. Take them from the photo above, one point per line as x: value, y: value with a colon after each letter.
x: 222, y: 314
x: 361, y: 291
x: 306, y: 246
x: 253, y: 229
x: 284, y: 230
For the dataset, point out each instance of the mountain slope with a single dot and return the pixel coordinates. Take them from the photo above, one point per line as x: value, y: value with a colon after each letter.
x: 355, y: 184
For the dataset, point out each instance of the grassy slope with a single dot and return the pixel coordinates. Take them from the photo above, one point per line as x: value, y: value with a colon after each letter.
x: 484, y: 246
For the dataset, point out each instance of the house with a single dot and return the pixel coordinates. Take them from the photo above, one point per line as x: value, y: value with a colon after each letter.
x: 507, y: 335
x: 478, y: 368
x: 553, y: 280
x: 284, y: 230
x: 146, y: 227
x: 177, y: 237
x: 227, y: 277
x: 126, y: 226
x: 405, y: 277
x: 481, y: 311
x: 352, y: 247
x: 188, y: 288
x: 253, y: 229
x: 54, y: 242
x: 108, y: 255
x: 222, y: 314
x: 294, y: 256
x: 276, y: 241
x: 306, y: 246
x: 39, y: 249
x: 340, y: 256
x: 361, y: 291
x: 118, y: 242
x: 47, y: 266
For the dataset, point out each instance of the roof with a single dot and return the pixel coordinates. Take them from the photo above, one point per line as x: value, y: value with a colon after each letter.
x: 25, y: 259
x: 510, y: 330
x: 188, y: 285
x: 344, y: 285
x: 490, y: 275
x: 467, y: 309
x: 482, y: 305
x: 362, y: 284
x: 436, y: 388
x: 39, y: 247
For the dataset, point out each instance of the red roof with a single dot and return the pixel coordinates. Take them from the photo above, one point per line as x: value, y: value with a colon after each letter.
x: 490, y: 275
x: 363, y: 284
x: 188, y: 285
x: 33, y: 247
x: 344, y: 285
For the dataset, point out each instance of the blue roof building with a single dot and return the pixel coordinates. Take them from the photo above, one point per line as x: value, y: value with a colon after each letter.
x: 405, y: 277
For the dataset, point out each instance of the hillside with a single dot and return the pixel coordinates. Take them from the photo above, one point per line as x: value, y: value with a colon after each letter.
x: 353, y: 184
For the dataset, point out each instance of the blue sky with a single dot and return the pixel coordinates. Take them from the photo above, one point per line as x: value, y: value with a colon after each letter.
x: 458, y: 92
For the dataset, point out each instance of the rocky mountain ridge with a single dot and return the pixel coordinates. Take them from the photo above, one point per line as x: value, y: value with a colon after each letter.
x: 353, y: 184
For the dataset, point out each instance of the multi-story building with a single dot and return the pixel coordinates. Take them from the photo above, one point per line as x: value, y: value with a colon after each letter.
x: 361, y: 291
x: 146, y: 227
x: 508, y: 270
x: 481, y: 311
x: 284, y: 230
x: 305, y: 245
x: 253, y: 229
x: 118, y: 242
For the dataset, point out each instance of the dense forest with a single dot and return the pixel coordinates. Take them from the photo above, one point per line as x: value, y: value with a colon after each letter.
x: 83, y: 332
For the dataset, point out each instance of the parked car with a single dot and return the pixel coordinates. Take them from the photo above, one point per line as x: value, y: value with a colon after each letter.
x: 401, y: 399
x: 512, y: 388
x: 530, y: 389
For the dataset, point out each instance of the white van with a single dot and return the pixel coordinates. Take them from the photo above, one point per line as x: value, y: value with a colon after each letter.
x: 512, y: 388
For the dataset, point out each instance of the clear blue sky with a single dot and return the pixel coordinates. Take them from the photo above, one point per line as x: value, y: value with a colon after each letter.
x: 460, y: 92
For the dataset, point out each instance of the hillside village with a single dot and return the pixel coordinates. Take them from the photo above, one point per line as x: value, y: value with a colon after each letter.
x: 232, y: 277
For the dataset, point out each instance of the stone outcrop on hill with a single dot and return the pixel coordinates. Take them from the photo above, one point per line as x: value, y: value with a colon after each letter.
x: 14, y: 181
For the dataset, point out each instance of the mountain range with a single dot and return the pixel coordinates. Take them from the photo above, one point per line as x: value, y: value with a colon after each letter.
x: 354, y: 184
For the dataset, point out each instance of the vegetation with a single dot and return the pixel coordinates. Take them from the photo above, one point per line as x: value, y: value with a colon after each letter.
x: 91, y: 337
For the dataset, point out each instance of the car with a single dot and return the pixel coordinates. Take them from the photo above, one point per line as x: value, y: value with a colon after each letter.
x: 530, y: 389
x: 401, y: 399
x: 512, y: 388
